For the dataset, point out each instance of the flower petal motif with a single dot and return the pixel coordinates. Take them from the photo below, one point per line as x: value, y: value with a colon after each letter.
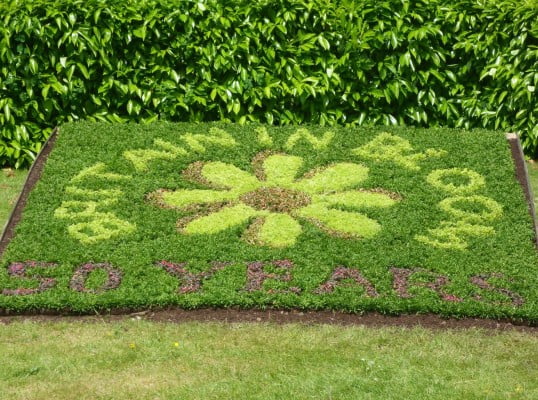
x: 229, y: 176
x: 333, y: 178
x: 221, y: 220
x: 274, y: 200
x: 281, y: 169
x: 185, y: 197
x: 277, y: 230
x: 340, y: 222
x: 357, y: 199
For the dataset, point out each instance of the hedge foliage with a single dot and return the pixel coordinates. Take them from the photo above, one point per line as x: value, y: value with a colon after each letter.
x: 423, y: 63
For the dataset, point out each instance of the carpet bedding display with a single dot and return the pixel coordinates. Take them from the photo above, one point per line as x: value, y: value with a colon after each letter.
x: 392, y: 220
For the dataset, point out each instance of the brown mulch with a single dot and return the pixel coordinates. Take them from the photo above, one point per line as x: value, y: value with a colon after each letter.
x: 233, y: 315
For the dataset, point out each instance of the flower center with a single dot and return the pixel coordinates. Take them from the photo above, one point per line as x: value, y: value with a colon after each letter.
x: 275, y: 199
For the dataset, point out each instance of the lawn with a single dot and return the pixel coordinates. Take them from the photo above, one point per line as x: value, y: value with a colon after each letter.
x: 10, y: 184
x: 147, y: 360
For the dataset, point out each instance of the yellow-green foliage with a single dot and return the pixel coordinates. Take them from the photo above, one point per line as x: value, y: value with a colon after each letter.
x: 93, y: 194
x: 278, y: 230
x: 474, y: 180
x: 390, y: 148
x: 263, y: 137
x: 357, y: 199
x: 97, y: 171
x: 186, y: 197
x: 229, y: 176
x: 74, y: 209
x: 341, y: 222
x: 453, y: 235
x: 102, y: 226
x: 197, y: 142
x: 333, y: 178
x: 281, y: 169
x: 467, y: 213
x: 279, y: 198
x: 306, y: 135
x: 140, y: 158
x: 221, y: 220
x: 91, y: 225
x: 216, y: 136
x: 490, y: 208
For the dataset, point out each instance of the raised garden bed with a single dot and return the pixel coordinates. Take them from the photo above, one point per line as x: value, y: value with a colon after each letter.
x: 126, y: 217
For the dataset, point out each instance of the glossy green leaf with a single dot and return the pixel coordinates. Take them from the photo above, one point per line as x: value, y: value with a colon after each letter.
x: 437, y: 63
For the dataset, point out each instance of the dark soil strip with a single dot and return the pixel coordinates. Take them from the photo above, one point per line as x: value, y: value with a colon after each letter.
x: 234, y: 315
x: 522, y: 175
x: 33, y: 176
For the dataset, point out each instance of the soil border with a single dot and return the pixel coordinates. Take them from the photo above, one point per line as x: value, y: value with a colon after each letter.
x: 522, y: 175
x: 237, y: 315
x: 33, y: 176
x: 282, y: 317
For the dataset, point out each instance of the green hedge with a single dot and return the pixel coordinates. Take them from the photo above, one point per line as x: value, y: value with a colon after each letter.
x: 423, y: 63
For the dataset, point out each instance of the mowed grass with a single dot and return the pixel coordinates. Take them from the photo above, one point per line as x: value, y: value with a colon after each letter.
x: 144, y: 360
x: 148, y: 360
x: 11, y: 182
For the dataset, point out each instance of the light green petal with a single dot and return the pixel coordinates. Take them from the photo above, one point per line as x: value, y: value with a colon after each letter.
x: 357, y: 199
x: 229, y: 176
x: 281, y: 169
x: 342, y: 222
x: 279, y: 230
x: 335, y: 177
x: 102, y: 227
x: 184, y: 197
x: 220, y: 220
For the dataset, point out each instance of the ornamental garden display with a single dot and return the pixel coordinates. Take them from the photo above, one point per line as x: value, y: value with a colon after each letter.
x: 128, y: 217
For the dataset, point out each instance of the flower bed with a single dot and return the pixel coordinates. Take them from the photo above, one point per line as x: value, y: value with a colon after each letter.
x: 197, y: 215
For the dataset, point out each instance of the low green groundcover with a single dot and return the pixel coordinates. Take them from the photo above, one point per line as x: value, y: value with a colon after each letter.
x: 196, y: 215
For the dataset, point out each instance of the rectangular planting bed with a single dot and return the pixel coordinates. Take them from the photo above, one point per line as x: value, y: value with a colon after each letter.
x: 393, y: 220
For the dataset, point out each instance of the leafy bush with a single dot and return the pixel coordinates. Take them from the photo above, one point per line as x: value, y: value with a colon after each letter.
x: 424, y: 63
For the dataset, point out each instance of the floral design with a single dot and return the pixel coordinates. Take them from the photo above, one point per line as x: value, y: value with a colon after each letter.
x: 273, y: 200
